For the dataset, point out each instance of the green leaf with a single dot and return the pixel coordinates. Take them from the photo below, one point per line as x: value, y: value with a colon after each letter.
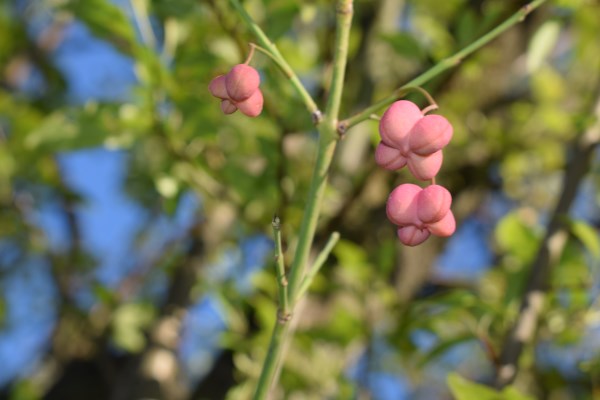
x: 542, y: 44
x: 129, y: 323
x: 516, y: 238
x: 439, y: 349
x: 588, y: 236
x: 405, y: 45
x: 105, y: 20
x: 463, y: 389
x: 3, y: 309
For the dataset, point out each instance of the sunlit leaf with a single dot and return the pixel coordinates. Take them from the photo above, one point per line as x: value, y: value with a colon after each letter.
x: 516, y: 238
x: 542, y: 44
x: 463, y: 389
x: 587, y: 235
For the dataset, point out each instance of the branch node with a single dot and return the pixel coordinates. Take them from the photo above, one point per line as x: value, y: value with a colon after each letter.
x: 317, y: 117
x: 345, y: 8
x: 276, y: 222
x: 283, y: 317
x: 342, y: 128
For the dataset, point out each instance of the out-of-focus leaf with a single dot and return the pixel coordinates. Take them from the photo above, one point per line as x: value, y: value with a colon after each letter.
x: 588, y: 237
x: 281, y: 16
x: 443, y: 346
x: 2, y: 311
x: 129, y: 322
x: 572, y: 270
x: 104, y: 294
x: 463, y: 389
x: 25, y: 390
x: 105, y: 20
x: 516, y: 238
x: 405, y: 45
x: 542, y: 44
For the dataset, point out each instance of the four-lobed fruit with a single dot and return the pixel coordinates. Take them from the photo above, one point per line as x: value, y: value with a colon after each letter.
x: 412, y: 139
x: 419, y: 213
x: 239, y: 89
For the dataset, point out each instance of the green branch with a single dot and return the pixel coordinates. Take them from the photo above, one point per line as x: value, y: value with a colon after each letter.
x: 282, y: 283
x: 320, y: 260
x: 440, y: 67
x: 326, y: 147
x: 279, y: 60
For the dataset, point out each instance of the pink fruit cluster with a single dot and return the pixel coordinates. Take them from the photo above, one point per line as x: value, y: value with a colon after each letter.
x: 420, y: 212
x: 410, y: 138
x: 238, y: 89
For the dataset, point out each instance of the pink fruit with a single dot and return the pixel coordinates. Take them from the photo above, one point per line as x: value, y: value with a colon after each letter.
x: 412, y: 236
x: 253, y: 105
x: 433, y: 203
x: 430, y: 134
x: 389, y: 157
x: 444, y: 227
x: 396, y: 123
x: 409, y: 138
x: 419, y: 213
x: 401, y: 207
x: 228, y: 107
x: 425, y: 167
x: 217, y: 87
x: 241, y: 82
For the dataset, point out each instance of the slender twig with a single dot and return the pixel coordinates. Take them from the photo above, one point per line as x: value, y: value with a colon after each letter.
x: 319, y: 261
x: 328, y: 139
x: 550, y: 249
x: 327, y: 143
x: 440, y: 67
x: 279, y: 60
x: 281, y: 278
x: 251, y: 53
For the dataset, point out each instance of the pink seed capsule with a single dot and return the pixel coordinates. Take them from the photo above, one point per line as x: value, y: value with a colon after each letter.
x: 444, y: 227
x: 216, y: 87
x: 430, y: 134
x: 401, y: 207
x: 425, y: 167
x: 396, y: 123
x: 389, y: 157
x: 228, y: 107
x: 412, y: 236
x: 241, y: 82
x: 253, y: 105
x: 433, y: 203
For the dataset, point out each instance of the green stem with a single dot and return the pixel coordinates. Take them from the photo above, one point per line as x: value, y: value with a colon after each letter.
x: 327, y: 143
x: 279, y: 60
x: 265, y: 381
x: 440, y: 67
x: 281, y: 279
x: 316, y: 267
x: 326, y: 147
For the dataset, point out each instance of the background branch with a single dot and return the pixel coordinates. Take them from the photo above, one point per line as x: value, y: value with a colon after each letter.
x: 548, y: 253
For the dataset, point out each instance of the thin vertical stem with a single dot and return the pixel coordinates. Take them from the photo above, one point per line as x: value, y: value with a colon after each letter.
x: 326, y: 147
x: 282, y: 283
x: 328, y: 138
